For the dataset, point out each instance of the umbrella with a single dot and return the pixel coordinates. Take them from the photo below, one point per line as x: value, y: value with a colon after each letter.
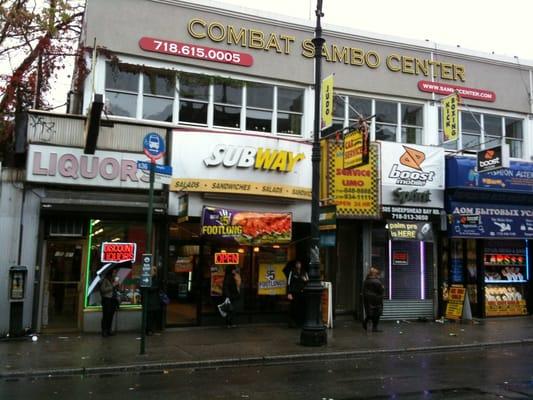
x: 105, y: 269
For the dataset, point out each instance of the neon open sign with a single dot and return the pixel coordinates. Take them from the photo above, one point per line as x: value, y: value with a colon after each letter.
x: 226, y: 258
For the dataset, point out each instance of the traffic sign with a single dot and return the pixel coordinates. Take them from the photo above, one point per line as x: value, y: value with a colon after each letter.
x: 158, y: 169
x: 154, y: 146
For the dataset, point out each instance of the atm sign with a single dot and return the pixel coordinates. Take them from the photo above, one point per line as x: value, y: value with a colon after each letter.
x: 118, y: 252
x: 226, y: 258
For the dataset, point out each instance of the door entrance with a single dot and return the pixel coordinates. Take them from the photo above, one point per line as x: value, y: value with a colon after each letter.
x: 62, y: 277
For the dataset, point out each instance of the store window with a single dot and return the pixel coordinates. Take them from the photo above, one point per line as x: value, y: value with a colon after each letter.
x: 127, y: 274
x: 290, y: 110
x: 122, y: 87
x: 471, y: 131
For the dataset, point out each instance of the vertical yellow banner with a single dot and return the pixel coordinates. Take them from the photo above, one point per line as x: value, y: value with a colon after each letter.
x: 450, y: 117
x: 327, y: 102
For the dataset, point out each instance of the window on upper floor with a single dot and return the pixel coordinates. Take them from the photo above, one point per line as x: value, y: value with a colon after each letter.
x: 480, y: 131
x: 188, y: 98
x: 393, y: 121
x: 193, y: 93
x: 121, y: 89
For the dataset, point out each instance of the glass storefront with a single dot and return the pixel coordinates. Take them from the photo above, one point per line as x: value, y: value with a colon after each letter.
x: 495, y: 274
x: 100, y: 231
x: 195, y: 273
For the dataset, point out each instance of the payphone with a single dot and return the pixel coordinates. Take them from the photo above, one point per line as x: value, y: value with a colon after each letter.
x: 17, y: 292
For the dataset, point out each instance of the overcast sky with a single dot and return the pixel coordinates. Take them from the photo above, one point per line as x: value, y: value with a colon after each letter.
x: 502, y: 27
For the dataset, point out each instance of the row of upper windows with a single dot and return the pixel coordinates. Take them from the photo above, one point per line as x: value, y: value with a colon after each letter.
x: 198, y: 99
x: 209, y: 101
x: 404, y: 122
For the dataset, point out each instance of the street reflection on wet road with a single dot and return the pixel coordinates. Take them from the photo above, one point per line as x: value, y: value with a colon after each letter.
x: 493, y: 373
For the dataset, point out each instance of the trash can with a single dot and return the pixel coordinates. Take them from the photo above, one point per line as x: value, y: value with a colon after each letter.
x: 17, y: 292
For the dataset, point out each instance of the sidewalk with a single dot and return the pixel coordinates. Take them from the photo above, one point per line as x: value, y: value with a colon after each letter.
x: 199, y: 347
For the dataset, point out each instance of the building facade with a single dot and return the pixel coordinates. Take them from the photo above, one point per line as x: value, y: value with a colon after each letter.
x: 231, y: 90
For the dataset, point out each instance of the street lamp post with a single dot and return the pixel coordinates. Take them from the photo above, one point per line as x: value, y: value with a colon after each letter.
x: 314, y: 331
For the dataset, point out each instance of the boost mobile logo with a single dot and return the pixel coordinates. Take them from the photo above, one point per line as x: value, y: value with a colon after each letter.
x: 412, y: 158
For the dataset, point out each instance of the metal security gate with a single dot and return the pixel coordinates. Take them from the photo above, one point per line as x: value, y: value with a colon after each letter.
x: 407, y: 309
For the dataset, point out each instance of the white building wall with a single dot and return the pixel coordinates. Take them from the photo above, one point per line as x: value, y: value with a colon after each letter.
x: 12, y: 205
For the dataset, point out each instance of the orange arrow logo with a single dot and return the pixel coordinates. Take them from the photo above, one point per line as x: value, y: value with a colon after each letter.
x: 412, y: 158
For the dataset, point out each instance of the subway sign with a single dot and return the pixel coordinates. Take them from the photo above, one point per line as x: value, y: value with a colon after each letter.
x: 118, y: 252
x: 226, y: 258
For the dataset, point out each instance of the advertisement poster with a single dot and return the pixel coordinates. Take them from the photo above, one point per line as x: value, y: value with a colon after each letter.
x: 456, y: 298
x: 272, y: 280
x: 354, y: 191
x: 246, y: 227
x: 490, y: 221
x: 401, y: 230
x: 217, y: 279
x: 461, y: 173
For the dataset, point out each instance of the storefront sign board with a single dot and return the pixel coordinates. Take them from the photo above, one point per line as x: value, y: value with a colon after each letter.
x: 461, y: 173
x: 412, y: 175
x: 404, y: 230
x: 450, y: 117
x: 241, y: 164
x: 245, y: 227
x: 272, y: 280
x: 356, y: 148
x: 354, y: 191
x: 400, y: 213
x: 493, y: 159
x: 69, y: 166
x: 226, y: 258
x: 505, y: 308
x: 327, y: 102
x: 118, y: 252
x: 494, y: 221
x: 456, y: 299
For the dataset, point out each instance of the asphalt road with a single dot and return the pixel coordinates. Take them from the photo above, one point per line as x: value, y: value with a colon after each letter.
x: 495, y: 373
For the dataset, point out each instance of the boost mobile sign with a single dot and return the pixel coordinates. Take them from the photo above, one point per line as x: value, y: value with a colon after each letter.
x: 412, y: 165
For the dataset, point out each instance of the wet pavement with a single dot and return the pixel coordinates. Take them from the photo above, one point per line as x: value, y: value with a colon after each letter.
x: 199, y: 347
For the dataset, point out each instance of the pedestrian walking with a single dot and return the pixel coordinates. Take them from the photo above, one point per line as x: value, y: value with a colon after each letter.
x: 231, y: 290
x: 110, y: 302
x: 373, y: 291
x: 296, y: 282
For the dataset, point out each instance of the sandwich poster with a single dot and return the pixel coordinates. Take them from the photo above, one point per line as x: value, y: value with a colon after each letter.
x: 246, y: 227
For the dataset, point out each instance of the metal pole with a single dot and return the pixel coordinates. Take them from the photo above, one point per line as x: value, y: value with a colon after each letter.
x: 314, y: 331
x: 148, y: 250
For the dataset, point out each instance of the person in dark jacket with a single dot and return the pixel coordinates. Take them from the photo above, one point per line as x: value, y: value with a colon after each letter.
x: 296, y: 282
x: 108, y: 295
x: 231, y: 290
x: 373, y: 291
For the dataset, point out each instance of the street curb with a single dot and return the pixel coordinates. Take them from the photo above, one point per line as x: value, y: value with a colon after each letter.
x: 239, y: 362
